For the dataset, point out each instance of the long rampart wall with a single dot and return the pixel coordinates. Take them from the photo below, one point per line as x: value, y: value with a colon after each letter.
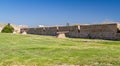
x: 99, y: 31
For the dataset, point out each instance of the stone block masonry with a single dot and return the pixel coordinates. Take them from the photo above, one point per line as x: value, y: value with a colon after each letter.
x: 95, y: 31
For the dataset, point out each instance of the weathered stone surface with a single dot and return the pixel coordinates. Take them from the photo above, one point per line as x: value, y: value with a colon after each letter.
x: 61, y: 35
x: 118, y: 36
x: 24, y: 33
x: 99, y: 31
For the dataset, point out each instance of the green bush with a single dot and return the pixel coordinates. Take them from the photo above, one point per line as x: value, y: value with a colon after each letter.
x: 8, y: 29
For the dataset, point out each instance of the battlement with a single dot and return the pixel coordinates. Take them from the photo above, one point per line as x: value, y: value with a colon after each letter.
x: 98, y: 31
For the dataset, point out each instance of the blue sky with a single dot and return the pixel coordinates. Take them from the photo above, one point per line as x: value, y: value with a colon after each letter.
x: 58, y: 12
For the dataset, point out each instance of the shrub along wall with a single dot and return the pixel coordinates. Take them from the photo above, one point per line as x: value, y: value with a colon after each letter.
x: 7, y: 29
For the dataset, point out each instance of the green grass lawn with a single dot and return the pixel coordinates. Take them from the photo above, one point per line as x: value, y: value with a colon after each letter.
x: 36, y: 50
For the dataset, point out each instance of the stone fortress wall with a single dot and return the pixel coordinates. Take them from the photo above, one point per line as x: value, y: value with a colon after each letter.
x: 97, y: 31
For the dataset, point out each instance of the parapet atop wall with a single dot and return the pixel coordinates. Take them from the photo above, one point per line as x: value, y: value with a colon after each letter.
x: 100, y: 31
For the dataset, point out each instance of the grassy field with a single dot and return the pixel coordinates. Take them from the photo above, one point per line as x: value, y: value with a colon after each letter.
x: 36, y: 50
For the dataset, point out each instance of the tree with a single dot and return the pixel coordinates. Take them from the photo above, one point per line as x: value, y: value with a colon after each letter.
x: 8, y: 29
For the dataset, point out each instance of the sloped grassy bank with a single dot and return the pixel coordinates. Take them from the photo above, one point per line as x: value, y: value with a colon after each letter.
x: 31, y: 50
